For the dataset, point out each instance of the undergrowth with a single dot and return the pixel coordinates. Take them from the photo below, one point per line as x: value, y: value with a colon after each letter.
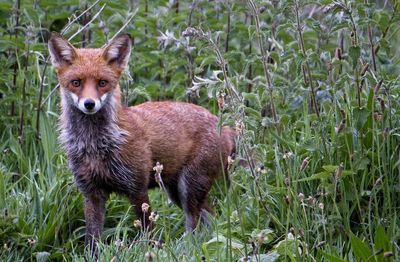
x: 312, y: 88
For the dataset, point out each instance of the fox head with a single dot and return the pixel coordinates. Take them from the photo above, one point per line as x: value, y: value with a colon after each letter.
x: 88, y: 77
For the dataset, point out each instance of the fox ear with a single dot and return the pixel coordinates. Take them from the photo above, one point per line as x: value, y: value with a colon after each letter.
x: 61, y: 51
x: 117, y: 52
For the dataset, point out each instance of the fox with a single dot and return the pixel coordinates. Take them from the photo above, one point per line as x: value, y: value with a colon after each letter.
x: 113, y: 148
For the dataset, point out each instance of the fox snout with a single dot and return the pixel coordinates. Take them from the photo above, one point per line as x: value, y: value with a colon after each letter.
x: 88, y: 106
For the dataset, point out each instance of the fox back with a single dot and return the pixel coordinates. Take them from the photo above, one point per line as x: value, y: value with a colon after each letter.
x: 112, y: 148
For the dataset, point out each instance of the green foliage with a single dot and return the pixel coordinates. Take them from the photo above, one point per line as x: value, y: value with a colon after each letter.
x: 312, y: 86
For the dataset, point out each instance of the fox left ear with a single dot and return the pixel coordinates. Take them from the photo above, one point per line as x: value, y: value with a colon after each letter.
x: 60, y: 50
x: 117, y: 52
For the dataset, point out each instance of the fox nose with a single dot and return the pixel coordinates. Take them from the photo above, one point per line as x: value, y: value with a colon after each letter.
x: 89, y: 104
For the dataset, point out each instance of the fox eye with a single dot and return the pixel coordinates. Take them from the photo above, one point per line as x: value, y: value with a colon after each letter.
x: 102, y: 83
x: 76, y: 83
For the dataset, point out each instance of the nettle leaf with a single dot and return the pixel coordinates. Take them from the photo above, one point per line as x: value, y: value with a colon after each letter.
x: 217, y: 245
x: 268, y: 235
x: 355, y: 53
x: 330, y: 257
x: 383, y: 21
x: 361, y: 116
x: 381, y: 242
x: 269, y: 257
x: 275, y: 56
x: 252, y: 98
x: 360, y: 249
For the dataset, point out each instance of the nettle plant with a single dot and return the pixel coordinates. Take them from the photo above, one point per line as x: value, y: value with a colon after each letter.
x: 311, y: 87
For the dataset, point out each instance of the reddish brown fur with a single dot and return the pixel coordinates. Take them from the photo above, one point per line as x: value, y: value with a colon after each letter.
x: 183, y: 137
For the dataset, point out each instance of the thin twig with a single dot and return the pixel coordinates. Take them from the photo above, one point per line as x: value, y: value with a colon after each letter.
x: 70, y: 23
x: 84, y: 27
x: 39, y: 108
x: 123, y: 26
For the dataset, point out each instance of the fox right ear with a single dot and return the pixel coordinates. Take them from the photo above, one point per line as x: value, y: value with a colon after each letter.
x: 117, y: 52
x: 61, y: 51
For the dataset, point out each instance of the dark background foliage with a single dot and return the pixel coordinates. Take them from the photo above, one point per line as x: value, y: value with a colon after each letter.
x: 312, y: 87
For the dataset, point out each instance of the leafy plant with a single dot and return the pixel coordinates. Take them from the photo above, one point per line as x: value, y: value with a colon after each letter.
x: 311, y: 87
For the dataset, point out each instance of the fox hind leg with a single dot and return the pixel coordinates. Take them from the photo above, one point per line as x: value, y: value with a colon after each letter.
x: 193, y: 190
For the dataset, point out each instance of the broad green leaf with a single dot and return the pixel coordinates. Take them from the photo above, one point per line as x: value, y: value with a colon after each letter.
x: 381, y: 242
x: 331, y: 258
x: 218, y: 244
x: 359, y: 248
x: 360, y: 117
x: 354, y: 53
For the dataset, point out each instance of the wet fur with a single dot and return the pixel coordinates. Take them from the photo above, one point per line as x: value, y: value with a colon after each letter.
x: 115, y: 149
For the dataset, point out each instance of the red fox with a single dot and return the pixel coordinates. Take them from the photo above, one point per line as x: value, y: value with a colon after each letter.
x: 112, y: 148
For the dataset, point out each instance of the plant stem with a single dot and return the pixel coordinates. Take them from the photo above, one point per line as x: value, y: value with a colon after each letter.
x: 314, y: 104
x: 39, y: 107
x: 228, y: 30
x: 15, y: 67
x: 22, y: 117
x: 264, y: 58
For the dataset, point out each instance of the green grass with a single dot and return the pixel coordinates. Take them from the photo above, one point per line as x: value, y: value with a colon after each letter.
x: 323, y: 132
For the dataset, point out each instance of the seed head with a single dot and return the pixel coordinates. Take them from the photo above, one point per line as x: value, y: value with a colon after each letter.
x: 137, y: 223
x: 382, y: 103
x: 287, y: 199
x: 153, y: 216
x: 119, y: 244
x: 158, y: 168
x: 364, y: 69
x: 221, y: 100
x: 158, y: 244
x: 31, y: 242
x: 145, y: 207
x: 378, y: 86
x: 301, y: 232
x: 261, y: 237
x: 341, y: 126
x: 377, y: 117
x: 239, y: 126
x: 287, y: 181
x: 338, y: 53
x: 311, y: 201
x: 261, y: 169
x: 191, y: 32
x: 287, y: 155
x: 321, y: 206
x: 301, y: 197
x: 149, y: 256
x: 304, y: 164
x: 339, y: 171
